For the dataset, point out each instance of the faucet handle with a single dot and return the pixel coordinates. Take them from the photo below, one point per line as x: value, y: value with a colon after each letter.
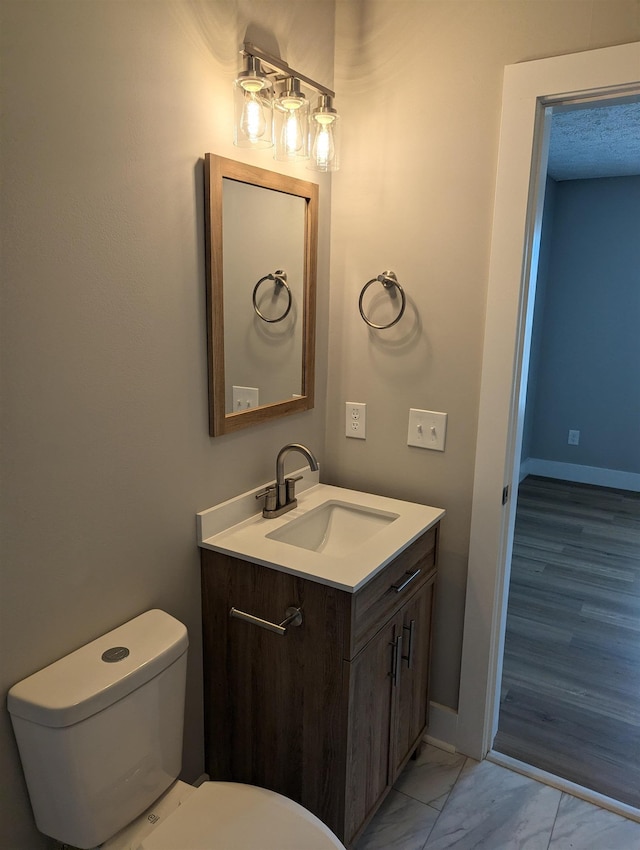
x: 270, y: 493
x: 291, y: 486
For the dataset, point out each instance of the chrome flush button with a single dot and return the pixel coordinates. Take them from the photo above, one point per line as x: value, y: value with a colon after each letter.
x: 116, y: 653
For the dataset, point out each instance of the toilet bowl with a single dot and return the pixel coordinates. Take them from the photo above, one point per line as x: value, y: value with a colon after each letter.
x: 224, y: 816
x: 100, y: 740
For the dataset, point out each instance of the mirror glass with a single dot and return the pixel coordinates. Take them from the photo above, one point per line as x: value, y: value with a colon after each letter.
x: 262, y: 327
x: 261, y: 233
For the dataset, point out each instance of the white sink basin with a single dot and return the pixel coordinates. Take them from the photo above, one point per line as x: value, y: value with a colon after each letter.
x: 335, y: 536
x: 333, y: 528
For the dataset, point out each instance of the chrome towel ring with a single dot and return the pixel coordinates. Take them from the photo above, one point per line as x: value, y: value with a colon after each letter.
x: 280, y: 278
x: 390, y: 282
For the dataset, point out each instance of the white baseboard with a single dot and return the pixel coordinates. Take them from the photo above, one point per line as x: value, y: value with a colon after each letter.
x: 525, y: 469
x: 615, y: 478
x: 443, y: 727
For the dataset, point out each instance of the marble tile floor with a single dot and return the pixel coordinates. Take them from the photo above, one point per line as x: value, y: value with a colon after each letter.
x: 445, y: 801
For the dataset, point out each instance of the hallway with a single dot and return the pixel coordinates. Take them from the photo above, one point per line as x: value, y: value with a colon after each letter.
x: 571, y: 682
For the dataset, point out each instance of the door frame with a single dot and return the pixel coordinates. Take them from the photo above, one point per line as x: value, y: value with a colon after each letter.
x: 530, y: 91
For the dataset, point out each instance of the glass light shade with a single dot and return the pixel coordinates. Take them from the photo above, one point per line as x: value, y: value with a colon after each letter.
x: 252, y: 108
x: 291, y: 123
x: 325, y: 136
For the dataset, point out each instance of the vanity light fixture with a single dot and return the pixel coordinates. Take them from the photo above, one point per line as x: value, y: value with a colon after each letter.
x: 295, y: 135
x: 324, y: 129
x: 253, y: 92
x: 291, y: 122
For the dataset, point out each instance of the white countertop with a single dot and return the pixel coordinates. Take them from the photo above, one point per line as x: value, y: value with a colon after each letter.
x: 235, y: 528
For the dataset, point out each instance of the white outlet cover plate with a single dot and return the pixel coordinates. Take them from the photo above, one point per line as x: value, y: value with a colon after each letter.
x: 355, y: 424
x: 427, y: 429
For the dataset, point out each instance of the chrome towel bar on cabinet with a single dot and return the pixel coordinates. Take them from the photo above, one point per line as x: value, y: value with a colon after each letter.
x: 293, y: 617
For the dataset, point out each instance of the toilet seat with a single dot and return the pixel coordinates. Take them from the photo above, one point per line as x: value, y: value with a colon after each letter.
x: 233, y: 816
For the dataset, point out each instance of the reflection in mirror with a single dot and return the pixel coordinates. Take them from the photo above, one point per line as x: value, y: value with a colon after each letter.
x: 261, y: 239
x: 262, y: 343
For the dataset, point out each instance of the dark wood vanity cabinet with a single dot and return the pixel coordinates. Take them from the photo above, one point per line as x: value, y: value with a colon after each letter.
x: 329, y: 713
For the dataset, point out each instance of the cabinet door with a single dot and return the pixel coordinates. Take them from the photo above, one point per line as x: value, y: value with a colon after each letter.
x: 370, y: 691
x: 276, y: 706
x: 410, y: 715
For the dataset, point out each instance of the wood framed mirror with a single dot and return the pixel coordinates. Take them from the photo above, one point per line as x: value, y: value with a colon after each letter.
x: 261, y: 233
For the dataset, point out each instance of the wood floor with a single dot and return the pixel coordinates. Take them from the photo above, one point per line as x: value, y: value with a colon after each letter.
x: 570, y: 700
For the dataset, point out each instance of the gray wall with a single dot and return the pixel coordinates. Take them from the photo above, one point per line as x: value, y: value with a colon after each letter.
x: 420, y: 94
x: 108, y: 109
x: 588, y: 375
x: 544, y: 258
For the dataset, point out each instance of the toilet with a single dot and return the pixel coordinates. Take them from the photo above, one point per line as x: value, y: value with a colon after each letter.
x: 100, y: 740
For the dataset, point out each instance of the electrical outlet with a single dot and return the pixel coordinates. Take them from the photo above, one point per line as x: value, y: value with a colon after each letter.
x: 574, y: 438
x: 356, y: 420
x: 427, y: 429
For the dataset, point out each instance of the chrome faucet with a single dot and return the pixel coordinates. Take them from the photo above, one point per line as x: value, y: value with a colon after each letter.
x: 281, y: 496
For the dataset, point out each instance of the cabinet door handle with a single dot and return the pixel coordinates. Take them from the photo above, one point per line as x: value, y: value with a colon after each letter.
x: 396, y: 660
x: 293, y: 617
x: 400, y: 587
x: 409, y: 656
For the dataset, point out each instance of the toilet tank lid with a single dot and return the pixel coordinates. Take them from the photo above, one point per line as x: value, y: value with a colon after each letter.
x: 83, y: 683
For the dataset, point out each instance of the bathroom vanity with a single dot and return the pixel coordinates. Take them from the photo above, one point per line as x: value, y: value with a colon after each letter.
x: 327, y: 712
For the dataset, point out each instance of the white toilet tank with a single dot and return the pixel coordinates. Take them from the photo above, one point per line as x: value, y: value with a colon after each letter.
x: 100, y: 730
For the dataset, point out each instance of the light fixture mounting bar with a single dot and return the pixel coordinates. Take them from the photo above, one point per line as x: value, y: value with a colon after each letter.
x: 277, y: 64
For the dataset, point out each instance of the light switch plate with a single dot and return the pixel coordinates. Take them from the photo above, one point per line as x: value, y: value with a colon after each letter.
x: 427, y: 429
x: 244, y: 398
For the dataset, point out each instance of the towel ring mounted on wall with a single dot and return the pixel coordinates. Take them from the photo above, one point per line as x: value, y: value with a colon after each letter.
x: 390, y: 282
x: 280, y: 278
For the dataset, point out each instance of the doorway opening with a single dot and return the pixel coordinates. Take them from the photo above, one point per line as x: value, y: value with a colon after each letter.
x: 571, y: 664
x: 527, y: 103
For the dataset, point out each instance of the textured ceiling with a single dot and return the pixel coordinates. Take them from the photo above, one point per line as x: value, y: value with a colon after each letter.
x: 603, y: 141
